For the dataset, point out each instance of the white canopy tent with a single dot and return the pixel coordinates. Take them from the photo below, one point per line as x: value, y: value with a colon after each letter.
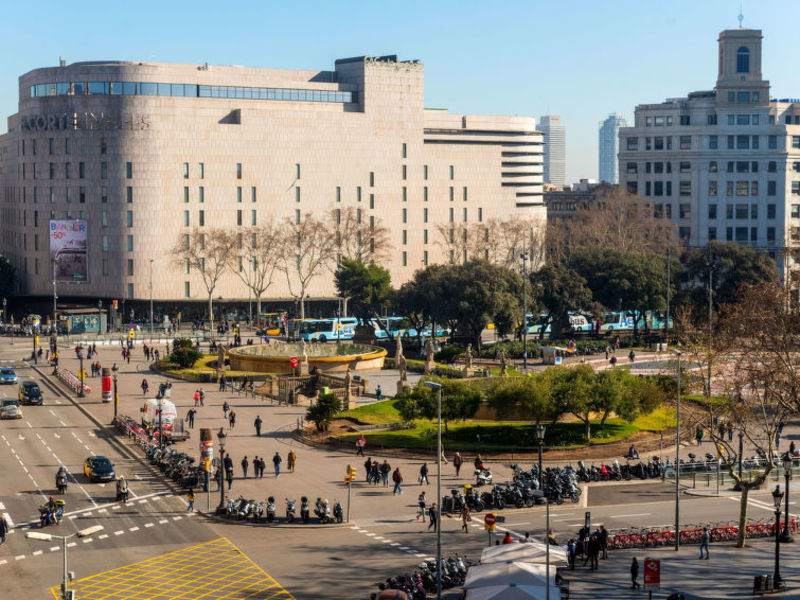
x: 530, y: 552
x: 508, y: 592
x: 505, y: 573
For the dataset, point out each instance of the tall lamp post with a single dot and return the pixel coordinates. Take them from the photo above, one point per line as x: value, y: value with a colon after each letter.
x: 221, y: 435
x: 4, y: 311
x: 48, y: 537
x: 114, y: 370
x: 540, y: 431
x: 81, y: 393
x: 436, y: 386
x: 524, y: 257
x: 678, y: 458
x: 99, y: 316
x: 151, y: 297
x: 786, y: 537
x: 777, y: 496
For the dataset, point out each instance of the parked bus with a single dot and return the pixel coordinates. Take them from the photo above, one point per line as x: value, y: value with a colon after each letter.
x: 322, y: 330
x: 394, y: 325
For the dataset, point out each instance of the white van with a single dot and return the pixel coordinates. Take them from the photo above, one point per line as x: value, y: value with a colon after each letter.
x: 173, y: 428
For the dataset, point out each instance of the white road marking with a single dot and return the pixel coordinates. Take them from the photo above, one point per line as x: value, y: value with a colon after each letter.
x: 145, y: 499
x: 148, y: 524
x: 22, y: 556
x: 162, y: 521
x: 137, y: 529
x: 398, y: 543
x: 120, y: 532
x: 629, y: 515
x: 20, y: 436
x: 2, y: 506
x: 54, y: 414
x: 105, y: 510
x: 87, y: 540
x: 72, y: 544
x: 2, y: 562
x: 54, y: 548
x: 178, y: 518
x: 38, y: 552
x: 102, y: 537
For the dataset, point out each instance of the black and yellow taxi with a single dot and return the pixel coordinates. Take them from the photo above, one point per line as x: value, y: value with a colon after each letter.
x: 30, y: 393
x: 98, y: 468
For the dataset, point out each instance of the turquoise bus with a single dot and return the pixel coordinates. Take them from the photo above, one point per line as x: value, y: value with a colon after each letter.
x: 322, y: 330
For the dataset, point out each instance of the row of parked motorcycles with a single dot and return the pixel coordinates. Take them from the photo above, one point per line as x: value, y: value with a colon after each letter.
x: 422, y: 581
x: 178, y: 466
x: 266, y: 511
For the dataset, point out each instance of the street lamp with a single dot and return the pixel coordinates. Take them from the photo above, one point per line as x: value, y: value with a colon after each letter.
x: 81, y: 393
x: 786, y: 537
x: 48, y: 537
x: 540, y: 431
x: 678, y: 457
x: 4, y: 311
x: 438, y: 387
x: 777, y: 496
x: 114, y: 370
x: 151, y: 297
x: 221, y: 435
x: 99, y: 316
x: 524, y: 257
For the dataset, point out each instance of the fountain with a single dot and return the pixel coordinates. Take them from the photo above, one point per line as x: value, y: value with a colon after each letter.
x: 277, y: 357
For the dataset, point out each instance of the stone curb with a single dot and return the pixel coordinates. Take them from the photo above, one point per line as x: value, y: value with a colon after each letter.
x: 275, y: 525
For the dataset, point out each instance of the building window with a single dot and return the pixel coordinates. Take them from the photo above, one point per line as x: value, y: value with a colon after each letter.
x: 770, y: 211
x: 729, y: 234
x: 731, y: 141
x: 712, y: 142
x: 186, y: 170
x: 771, y: 188
x: 772, y: 142
x: 372, y: 179
x: 358, y: 194
x: 50, y: 145
x: 129, y: 218
x: 372, y: 200
x: 464, y: 193
x: 743, y: 60
x: 685, y: 211
x: 405, y: 237
x: 754, y: 188
x: 632, y: 143
x: 686, y: 142
x: 452, y: 172
x: 186, y: 194
x: 712, y: 166
x: 684, y: 233
x: 238, y: 170
x: 405, y: 216
x: 480, y: 214
x: 425, y: 257
x: 633, y: 187
x: 105, y: 243
x: 452, y: 194
x: 632, y: 168
x: 685, y: 166
x: 405, y: 259
x: 754, y: 144
x: 795, y: 211
x: 712, y: 211
x: 405, y: 194
x: 424, y: 215
x: 403, y: 152
x: 239, y: 194
x: 425, y: 193
x: 187, y: 292
x: 742, y: 211
x: 338, y: 193
x: 425, y: 172
x: 742, y: 142
x: 685, y: 188
x: 253, y: 218
x: 201, y: 167
x: 297, y: 194
x: 741, y: 234
x: 404, y: 172
x: 238, y: 217
x: 253, y: 194
x: 128, y: 195
x: 452, y: 216
x: 201, y: 194
x: 186, y: 218
x: 464, y: 215
x: 742, y: 188
x: 684, y: 119
x: 711, y: 119
x: 201, y: 218
x: 105, y: 266
x: 658, y: 211
x: 712, y: 188
x: 658, y: 188
x: 712, y: 234
x: 754, y: 211
x: 130, y: 267
x: 770, y: 234
x: 297, y: 216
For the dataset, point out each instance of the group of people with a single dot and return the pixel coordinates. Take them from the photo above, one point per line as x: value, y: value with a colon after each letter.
x: 594, y: 547
x: 259, y: 465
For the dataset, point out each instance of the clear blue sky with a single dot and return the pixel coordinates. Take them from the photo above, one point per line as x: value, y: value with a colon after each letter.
x: 580, y: 59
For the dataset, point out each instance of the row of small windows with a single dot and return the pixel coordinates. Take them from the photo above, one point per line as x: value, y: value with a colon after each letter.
x: 739, y: 166
x: 53, y: 168
x: 732, y: 188
x: 187, y: 90
x: 733, y: 142
x: 78, y: 194
x: 32, y: 146
x: 201, y: 170
x: 743, y: 97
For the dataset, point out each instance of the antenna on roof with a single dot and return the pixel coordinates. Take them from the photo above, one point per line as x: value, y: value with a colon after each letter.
x: 741, y: 16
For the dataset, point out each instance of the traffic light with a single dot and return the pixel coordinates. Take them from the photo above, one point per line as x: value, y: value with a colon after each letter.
x: 350, y: 475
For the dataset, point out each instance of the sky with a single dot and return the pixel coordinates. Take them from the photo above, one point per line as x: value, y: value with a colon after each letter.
x: 579, y: 59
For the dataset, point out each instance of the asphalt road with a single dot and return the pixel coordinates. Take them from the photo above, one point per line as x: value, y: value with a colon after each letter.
x: 383, y: 539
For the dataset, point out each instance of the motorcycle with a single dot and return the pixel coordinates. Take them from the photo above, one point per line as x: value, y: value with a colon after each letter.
x: 232, y: 510
x: 482, y: 477
x: 323, y: 510
x: 48, y: 516
x: 338, y: 513
x: 304, y: 512
x: 122, y: 493
x: 61, y: 483
x: 258, y: 512
x: 270, y: 509
x: 290, y: 515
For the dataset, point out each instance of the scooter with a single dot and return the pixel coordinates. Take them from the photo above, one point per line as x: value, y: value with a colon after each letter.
x: 304, y: 511
x: 290, y: 514
x: 270, y: 509
x: 338, y: 513
x: 49, y: 517
x: 323, y: 510
x: 61, y: 484
x: 483, y: 477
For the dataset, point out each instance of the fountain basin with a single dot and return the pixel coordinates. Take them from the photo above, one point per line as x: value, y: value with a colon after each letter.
x: 276, y: 357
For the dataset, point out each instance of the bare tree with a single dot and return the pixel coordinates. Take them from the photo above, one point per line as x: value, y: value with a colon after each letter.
x: 206, y: 251
x: 359, y: 238
x: 257, y: 257
x: 310, y: 246
x: 456, y: 241
x: 615, y: 219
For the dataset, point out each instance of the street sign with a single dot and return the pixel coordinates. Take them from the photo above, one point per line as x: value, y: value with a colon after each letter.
x: 490, y: 521
x: 293, y: 362
x: 652, y: 573
x: 132, y: 334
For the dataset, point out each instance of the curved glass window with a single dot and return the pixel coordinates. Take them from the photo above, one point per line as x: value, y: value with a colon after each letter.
x: 743, y: 60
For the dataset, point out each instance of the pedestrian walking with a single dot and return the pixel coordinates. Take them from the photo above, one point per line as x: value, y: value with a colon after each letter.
x: 378, y: 393
x: 360, y: 443
x: 245, y: 464
x: 457, y: 461
x: 705, y: 537
x: 631, y: 356
x: 190, y: 498
x: 398, y: 480
x: 608, y: 351
x: 218, y: 478
x: 202, y: 395
x: 197, y: 397
x: 721, y: 429
x: 145, y: 387
x: 433, y: 517
x: 3, y: 529
x: 423, y: 474
x: 698, y: 434
x: 367, y: 469
x: 225, y: 408
x: 572, y: 551
x: 730, y: 431
x: 603, y: 541
x: 421, y: 502
x: 444, y: 458
x: 232, y: 419
x: 190, y: 417
x: 277, y: 460
x: 222, y: 383
x: 229, y: 477
x: 635, y: 574
x: 291, y: 460
x: 465, y: 518
x: 385, y: 469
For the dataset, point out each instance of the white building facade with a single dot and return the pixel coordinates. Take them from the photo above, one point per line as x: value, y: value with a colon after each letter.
x: 146, y: 152
x: 722, y: 164
x: 608, y: 147
x: 555, y: 149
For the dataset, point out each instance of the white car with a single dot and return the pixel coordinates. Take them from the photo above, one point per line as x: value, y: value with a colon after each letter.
x: 10, y: 409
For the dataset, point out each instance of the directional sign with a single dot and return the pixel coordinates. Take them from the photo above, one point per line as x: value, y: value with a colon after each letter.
x: 652, y: 573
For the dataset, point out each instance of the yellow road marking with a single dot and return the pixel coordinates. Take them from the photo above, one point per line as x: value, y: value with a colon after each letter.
x: 215, y: 569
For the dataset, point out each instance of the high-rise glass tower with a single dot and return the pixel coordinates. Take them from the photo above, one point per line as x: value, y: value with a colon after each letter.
x: 555, y: 149
x: 608, y: 147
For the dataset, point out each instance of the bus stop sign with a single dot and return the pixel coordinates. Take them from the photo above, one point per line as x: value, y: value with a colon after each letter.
x: 293, y: 362
x: 652, y: 573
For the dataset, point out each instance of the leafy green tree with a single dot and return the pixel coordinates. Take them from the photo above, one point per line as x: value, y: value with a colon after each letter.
x: 560, y: 290
x: 366, y: 286
x: 527, y: 397
x: 573, y: 389
x: 733, y: 265
x: 416, y: 299
x: 321, y: 413
x: 8, y: 277
x: 630, y: 281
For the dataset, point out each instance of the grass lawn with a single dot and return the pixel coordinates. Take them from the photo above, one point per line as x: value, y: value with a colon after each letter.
x: 658, y: 420
x: 374, y: 414
x: 701, y: 399
x: 498, y: 435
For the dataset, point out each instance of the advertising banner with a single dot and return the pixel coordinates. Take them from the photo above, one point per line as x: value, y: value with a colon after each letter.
x: 68, y: 251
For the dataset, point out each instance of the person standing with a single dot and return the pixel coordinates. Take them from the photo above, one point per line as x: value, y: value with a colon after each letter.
x: 190, y: 498
x: 465, y: 518
x: 421, y: 502
x: 231, y: 419
x: 291, y: 460
x: 603, y: 541
x: 433, y: 516
x: 229, y: 477
x: 398, y: 480
x: 378, y: 393
x: 385, y: 469
x: 3, y: 529
x: 367, y: 468
x: 197, y: 397
x: 245, y: 464
x: 257, y: 424
x: 730, y: 431
x: 360, y: 443
x: 457, y: 461
x: 225, y: 408
x: 277, y: 460
x: 635, y: 574
x: 423, y: 474
x: 705, y: 537
x: 572, y: 550
x: 190, y: 416
x: 218, y: 478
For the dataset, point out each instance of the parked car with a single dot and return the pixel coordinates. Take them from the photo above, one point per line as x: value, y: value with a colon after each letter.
x: 10, y: 409
x: 30, y: 393
x: 8, y: 376
x: 98, y: 468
